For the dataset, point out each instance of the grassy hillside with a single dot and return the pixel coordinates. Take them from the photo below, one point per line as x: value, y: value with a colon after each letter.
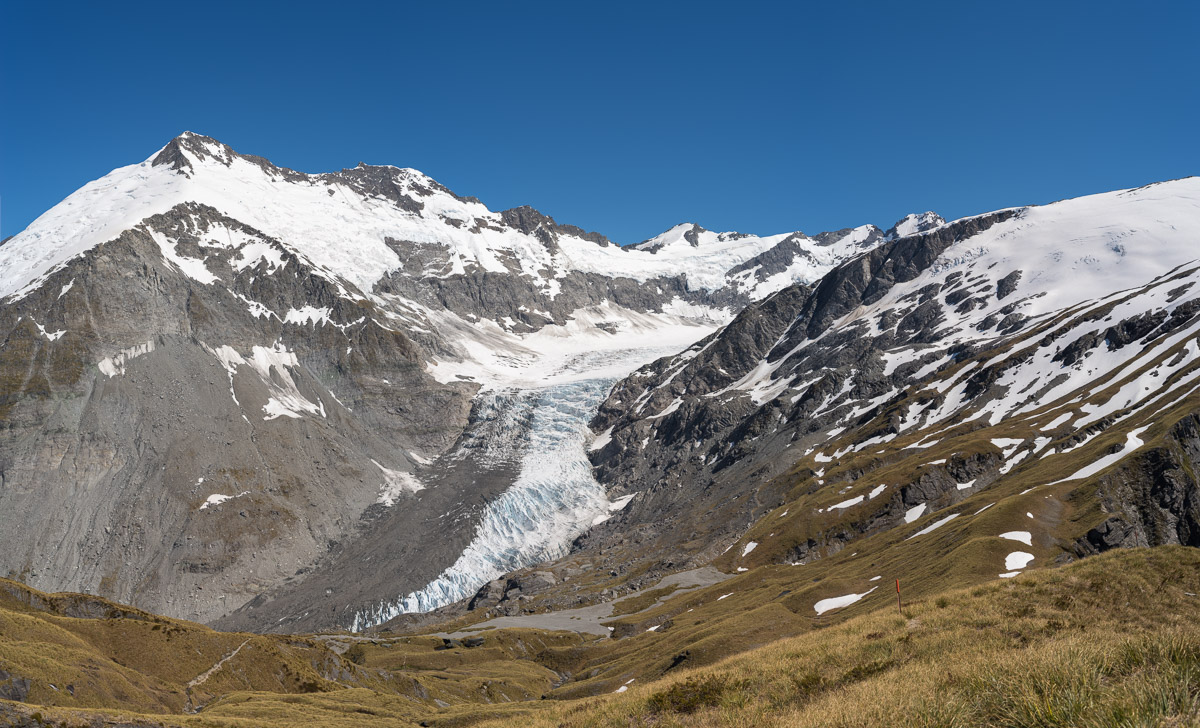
x: 1110, y: 640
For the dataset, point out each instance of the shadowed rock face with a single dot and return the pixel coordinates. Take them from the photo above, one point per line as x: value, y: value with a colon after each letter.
x: 1154, y: 499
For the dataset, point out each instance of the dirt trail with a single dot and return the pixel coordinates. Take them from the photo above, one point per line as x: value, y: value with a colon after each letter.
x: 199, y: 679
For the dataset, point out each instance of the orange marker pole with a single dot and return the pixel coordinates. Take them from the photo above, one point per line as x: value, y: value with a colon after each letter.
x: 898, y: 607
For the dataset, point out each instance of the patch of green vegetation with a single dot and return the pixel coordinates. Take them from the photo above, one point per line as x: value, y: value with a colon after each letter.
x: 690, y: 695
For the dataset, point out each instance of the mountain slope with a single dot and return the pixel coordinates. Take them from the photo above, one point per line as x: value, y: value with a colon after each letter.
x: 1046, y: 325
x: 223, y: 378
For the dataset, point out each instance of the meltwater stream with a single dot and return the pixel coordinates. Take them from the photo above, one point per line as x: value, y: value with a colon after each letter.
x: 554, y: 499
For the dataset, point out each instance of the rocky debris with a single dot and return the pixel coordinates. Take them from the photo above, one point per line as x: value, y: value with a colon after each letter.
x: 505, y: 593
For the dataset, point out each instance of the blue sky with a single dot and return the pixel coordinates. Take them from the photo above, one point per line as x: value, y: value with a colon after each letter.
x: 621, y: 118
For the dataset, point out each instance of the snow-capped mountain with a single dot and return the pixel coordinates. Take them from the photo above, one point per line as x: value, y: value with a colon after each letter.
x: 1038, y: 346
x: 225, y: 380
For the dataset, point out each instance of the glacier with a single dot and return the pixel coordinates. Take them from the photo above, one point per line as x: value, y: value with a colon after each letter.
x: 555, y: 497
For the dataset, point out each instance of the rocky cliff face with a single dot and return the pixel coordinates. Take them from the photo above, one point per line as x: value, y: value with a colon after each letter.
x: 1153, y: 498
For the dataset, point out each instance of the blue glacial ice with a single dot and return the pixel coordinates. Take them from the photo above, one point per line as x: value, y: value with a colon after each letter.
x: 553, y: 500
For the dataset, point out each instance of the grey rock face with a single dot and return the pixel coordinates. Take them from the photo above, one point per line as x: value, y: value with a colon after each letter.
x: 1154, y: 497
x: 13, y: 687
x: 117, y: 432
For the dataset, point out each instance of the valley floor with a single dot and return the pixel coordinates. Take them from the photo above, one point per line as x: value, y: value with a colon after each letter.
x: 1112, y: 640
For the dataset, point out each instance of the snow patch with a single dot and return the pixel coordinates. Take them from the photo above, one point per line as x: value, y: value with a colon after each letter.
x: 934, y: 526
x: 114, y: 365
x: 1017, y: 560
x: 847, y: 503
x: 395, y: 484
x: 217, y: 499
x: 838, y: 602
x: 1024, y: 537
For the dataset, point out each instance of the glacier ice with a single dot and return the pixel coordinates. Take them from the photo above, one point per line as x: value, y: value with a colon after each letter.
x: 554, y: 498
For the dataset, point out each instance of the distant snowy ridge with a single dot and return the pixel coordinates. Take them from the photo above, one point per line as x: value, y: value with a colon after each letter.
x: 416, y: 251
x: 342, y: 221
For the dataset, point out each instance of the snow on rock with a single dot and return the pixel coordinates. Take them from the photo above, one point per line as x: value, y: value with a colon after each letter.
x: 396, y: 483
x: 934, y: 526
x: 286, y: 400
x: 307, y: 315
x: 613, y: 507
x: 342, y: 230
x: 114, y: 365
x: 273, y: 365
x: 217, y: 499
x: 193, y: 268
x: 913, y: 224
x: 1007, y: 444
x: 914, y: 513
x: 1057, y: 421
x: 847, y: 503
x: 601, y: 440
x: 51, y: 335
x: 1133, y: 441
x: 704, y: 256
x: 838, y: 602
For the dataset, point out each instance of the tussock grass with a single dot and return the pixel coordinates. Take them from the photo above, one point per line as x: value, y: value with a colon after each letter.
x: 1111, y: 641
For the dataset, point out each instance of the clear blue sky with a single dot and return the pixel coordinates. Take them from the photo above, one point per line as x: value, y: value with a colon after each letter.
x: 622, y: 118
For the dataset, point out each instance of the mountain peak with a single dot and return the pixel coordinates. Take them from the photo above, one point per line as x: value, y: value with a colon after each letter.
x: 913, y: 224
x: 179, y: 152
